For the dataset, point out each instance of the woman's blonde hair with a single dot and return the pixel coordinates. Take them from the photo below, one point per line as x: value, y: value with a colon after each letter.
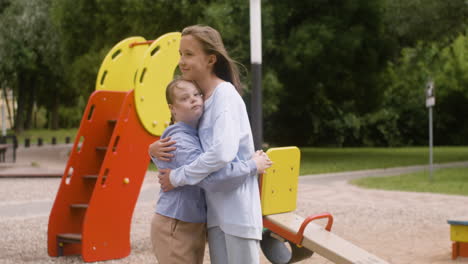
x: 212, y: 43
x: 170, y: 91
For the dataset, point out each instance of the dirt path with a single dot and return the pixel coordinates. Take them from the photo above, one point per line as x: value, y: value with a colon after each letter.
x: 400, y: 227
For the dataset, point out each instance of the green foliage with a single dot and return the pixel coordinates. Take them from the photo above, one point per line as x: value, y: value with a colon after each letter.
x: 405, y: 94
x: 71, y: 116
x: 451, y: 79
x: 40, y: 116
x: 411, y: 21
x: 335, y: 73
x: 328, y: 61
x: 28, y: 44
x: 381, y: 129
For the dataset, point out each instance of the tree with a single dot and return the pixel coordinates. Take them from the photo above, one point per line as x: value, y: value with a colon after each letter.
x: 335, y: 72
x: 27, y: 52
x: 327, y: 56
x: 412, y: 21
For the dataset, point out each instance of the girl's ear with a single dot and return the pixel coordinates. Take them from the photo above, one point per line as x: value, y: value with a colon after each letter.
x: 171, y: 108
x: 212, y: 59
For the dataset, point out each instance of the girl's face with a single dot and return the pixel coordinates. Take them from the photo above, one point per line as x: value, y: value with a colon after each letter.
x: 194, y: 63
x: 187, y: 103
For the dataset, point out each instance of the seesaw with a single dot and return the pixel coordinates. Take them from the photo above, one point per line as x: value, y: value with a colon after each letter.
x: 279, y: 196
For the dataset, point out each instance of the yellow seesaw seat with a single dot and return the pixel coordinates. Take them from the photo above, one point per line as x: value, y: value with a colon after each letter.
x: 279, y: 186
x: 279, y: 198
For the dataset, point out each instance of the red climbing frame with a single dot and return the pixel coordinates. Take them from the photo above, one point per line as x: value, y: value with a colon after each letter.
x: 93, y: 208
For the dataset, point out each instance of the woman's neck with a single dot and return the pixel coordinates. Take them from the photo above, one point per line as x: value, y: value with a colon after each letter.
x: 208, y: 85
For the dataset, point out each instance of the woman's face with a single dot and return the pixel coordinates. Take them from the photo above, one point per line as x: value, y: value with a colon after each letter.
x: 187, y: 103
x: 194, y: 63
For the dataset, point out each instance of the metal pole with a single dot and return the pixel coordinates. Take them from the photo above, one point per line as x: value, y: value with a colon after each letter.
x: 430, y: 145
x: 256, y: 61
x: 4, y: 130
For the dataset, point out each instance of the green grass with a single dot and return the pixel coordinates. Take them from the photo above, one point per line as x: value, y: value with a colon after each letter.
x: 152, y: 167
x: 447, y: 181
x: 47, y: 135
x: 318, y: 160
x: 325, y: 160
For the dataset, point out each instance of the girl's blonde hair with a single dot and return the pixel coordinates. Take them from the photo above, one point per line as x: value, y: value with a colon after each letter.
x: 170, y: 91
x: 212, y: 43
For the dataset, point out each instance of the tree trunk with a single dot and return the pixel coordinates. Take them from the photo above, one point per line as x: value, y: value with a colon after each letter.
x: 22, y: 86
x: 31, y: 87
x: 54, y: 115
x: 7, y: 102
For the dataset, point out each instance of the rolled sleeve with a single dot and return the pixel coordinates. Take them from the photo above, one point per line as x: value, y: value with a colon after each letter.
x: 230, y: 177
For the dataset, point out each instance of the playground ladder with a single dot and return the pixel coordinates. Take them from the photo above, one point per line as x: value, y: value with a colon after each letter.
x: 92, y: 212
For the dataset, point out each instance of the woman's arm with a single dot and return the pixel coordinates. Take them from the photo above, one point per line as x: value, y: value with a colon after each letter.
x: 235, y: 173
x: 230, y: 177
x: 226, y: 135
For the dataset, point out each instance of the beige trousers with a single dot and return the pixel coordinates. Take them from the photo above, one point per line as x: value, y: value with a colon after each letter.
x: 177, y: 242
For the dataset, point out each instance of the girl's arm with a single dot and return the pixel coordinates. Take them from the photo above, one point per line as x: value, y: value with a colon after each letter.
x: 161, y: 149
x: 186, y: 150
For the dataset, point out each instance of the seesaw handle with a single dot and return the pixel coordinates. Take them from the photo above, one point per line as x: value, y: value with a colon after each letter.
x: 296, y: 238
x: 315, y: 217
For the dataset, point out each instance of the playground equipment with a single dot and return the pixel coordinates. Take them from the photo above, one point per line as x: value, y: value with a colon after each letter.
x: 92, y: 212
x: 278, y: 196
x: 459, y: 236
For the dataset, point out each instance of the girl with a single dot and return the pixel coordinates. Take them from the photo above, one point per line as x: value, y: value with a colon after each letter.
x: 234, y: 217
x: 178, y: 231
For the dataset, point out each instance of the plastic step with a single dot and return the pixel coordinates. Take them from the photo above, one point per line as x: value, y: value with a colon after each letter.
x: 103, y: 149
x: 79, y: 206
x: 91, y: 176
x: 69, y: 238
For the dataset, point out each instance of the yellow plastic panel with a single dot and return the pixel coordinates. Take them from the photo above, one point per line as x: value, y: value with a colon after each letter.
x: 459, y: 233
x: 279, y: 184
x: 156, y: 71
x: 117, y: 72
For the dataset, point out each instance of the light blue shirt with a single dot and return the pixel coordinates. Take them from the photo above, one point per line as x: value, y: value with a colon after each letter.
x: 225, y: 135
x: 187, y: 203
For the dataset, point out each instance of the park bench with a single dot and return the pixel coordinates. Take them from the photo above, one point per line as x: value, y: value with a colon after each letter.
x: 3, y: 151
x: 6, y: 143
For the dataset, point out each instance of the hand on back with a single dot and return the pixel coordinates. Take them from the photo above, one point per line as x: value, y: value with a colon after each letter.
x: 161, y: 149
x: 164, y: 181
